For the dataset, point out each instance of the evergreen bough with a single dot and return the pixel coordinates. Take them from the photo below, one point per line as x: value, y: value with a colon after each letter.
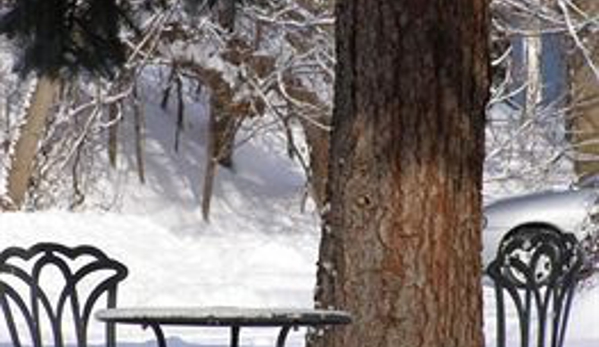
x: 71, y: 36
x: 66, y: 36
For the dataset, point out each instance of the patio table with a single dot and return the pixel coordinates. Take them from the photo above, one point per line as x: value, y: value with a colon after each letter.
x: 232, y: 317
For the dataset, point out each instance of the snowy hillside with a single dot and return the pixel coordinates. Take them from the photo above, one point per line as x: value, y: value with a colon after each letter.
x: 258, y: 250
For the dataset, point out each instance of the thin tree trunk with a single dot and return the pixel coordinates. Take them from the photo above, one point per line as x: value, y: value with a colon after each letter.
x: 113, y: 131
x: 318, y: 140
x: 226, y: 14
x: 226, y: 115
x: 166, y: 93
x: 584, y: 98
x: 534, y: 47
x: 401, y: 242
x: 180, y: 112
x: 533, y: 50
x: 5, y: 146
x: 139, y: 126
x: 211, y: 165
x: 316, y: 133
x: 29, y: 137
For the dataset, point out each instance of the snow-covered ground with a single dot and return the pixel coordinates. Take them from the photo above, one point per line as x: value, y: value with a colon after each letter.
x: 214, y: 267
x: 241, y: 266
x: 258, y: 250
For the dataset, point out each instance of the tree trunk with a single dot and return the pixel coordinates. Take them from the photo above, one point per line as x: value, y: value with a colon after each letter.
x: 29, y: 137
x: 140, y: 136
x: 584, y: 114
x: 318, y: 141
x: 401, y: 241
x: 226, y: 14
x: 113, y: 134
x: 211, y: 164
x: 180, y: 112
x: 534, y: 47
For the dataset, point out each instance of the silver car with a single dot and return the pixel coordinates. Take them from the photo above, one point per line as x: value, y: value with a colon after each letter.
x: 575, y: 211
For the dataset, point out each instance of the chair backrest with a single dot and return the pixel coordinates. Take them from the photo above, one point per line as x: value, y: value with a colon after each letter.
x: 49, y: 287
x: 539, y: 268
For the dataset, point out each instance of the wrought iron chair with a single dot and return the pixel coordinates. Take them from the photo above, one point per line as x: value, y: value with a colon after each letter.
x: 49, y: 285
x: 539, y: 269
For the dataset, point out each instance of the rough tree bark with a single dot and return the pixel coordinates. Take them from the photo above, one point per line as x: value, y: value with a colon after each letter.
x: 401, y: 240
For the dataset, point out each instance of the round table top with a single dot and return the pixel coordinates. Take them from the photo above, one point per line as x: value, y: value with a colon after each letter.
x: 224, y: 316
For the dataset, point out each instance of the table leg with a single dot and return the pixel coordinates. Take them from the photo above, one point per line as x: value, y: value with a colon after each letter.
x: 283, y: 335
x: 158, y: 333
x: 235, y: 336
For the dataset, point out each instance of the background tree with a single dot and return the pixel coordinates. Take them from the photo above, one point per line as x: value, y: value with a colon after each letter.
x: 583, y: 21
x: 555, y: 144
x: 58, y: 38
x: 401, y: 240
x: 261, y: 65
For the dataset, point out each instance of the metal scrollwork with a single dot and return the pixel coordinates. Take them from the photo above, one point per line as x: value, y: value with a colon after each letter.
x: 539, y: 268
x: 26, y: 297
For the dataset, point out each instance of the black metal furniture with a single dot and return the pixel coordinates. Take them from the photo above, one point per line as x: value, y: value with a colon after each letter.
x: 539, y: 269
x: 48, y: 287
x: 234, y: 318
